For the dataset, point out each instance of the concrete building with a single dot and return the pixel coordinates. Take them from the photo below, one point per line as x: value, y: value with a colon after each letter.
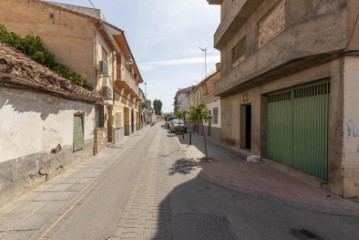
x: 47, y: 123
x: 81, y: 38
x: 203, y: 92
x: 288, y: 87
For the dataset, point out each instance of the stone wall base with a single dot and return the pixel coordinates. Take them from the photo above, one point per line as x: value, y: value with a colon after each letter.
x: 21, y: 175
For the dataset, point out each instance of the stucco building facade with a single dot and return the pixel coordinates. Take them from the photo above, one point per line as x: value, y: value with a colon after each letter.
x: 47, y: 123
x: 288, y: 85
x: 81, y: 38
x: 181, y: 100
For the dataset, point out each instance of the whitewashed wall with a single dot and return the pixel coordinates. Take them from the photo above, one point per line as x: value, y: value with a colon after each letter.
x: 210, y: 106
x: 33, y: 123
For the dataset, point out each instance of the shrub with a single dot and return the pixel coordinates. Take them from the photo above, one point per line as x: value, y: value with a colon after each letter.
x: 35, y: 49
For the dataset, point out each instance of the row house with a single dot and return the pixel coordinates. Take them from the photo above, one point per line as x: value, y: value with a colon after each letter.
x: 146, y: 110
x: 289, y: 86
x: 181, y: 100
x: 47, y: 123
x: 204, y: 92
x: 81, y: 38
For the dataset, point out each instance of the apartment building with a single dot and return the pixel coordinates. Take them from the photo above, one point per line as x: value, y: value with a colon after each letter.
x: 288, y: 85
x: 81, y: 38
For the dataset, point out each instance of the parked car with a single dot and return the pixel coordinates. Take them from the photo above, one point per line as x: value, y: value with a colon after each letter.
x: 168, y: 122
x: 178, y: 125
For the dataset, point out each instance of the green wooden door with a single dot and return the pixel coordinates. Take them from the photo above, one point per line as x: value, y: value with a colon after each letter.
x: 78, y: 134
x: 297, y: 128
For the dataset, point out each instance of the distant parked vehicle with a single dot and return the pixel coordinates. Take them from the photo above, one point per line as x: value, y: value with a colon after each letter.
x: 168, y: 122
x: 178, y: 125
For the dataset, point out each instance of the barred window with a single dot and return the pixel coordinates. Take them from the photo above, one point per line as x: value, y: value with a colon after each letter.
x: 215, y: 116
x: 239, y: 52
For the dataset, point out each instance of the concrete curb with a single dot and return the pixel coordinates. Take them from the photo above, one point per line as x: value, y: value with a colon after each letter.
x: 269, y: 197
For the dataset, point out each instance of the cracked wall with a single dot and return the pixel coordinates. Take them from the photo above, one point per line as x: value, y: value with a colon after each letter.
x: 36, y: 140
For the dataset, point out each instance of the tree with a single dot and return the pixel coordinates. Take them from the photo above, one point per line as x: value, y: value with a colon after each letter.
x: 179, y: 114
x: 157, y: 105
x: 197, y: 115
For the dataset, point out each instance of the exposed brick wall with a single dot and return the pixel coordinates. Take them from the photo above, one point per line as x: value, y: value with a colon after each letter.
x: 100, y: 139
x: 271, y: 24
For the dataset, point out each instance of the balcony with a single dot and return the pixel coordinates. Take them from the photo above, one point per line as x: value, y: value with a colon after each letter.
x: 233, y: 20
x: 126, y: 80
x: 299, y: 47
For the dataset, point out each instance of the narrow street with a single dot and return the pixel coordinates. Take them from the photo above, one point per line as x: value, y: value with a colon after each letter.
x: 149, y: 187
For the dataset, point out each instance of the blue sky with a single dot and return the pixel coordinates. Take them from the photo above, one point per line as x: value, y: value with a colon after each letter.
x: 164, y: 37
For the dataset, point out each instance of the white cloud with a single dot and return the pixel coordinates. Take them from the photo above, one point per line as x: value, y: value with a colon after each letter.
x: 197, y: 60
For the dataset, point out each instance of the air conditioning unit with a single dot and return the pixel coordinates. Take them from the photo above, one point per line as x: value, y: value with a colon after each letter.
x: 107, y: 89
x: 103, y: 67
x: 107, y: 92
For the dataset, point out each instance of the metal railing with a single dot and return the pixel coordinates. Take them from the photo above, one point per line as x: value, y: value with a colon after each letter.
x: 124, y: 75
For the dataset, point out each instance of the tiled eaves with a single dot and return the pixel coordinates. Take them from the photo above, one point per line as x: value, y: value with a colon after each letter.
x: 18, y: 70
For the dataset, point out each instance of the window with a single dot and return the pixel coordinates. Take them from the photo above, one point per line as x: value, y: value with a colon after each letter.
x: 99, y: 115
x: 78, y: 132
x: 215, y: 116
x: 239, y: 52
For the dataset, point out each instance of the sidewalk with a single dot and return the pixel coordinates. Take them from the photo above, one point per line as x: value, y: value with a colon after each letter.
x: 27, y: 216
x: 228, y: 169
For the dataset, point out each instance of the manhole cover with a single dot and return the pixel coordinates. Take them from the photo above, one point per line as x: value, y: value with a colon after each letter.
x: 304, y: 234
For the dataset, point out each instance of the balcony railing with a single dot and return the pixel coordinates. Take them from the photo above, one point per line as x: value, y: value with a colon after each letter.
x: 126, y: 80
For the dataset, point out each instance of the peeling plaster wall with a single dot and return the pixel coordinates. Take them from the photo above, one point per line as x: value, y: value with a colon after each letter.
x: 33, y: 125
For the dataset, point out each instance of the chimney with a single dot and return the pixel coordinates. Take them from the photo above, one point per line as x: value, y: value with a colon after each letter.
x: 218, y: 67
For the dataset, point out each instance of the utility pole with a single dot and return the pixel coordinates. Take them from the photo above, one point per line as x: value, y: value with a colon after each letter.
x: 205, y: 61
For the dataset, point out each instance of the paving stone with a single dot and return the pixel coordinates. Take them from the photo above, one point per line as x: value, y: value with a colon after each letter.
x: 22, y: 235
x: 28, y: 207
x: 35, y: 223
x: 51, y: 207
x: 77, y: 187
x: 7, y: 223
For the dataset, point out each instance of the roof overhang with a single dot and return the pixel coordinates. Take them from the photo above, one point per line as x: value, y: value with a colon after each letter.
x: 218, y: 2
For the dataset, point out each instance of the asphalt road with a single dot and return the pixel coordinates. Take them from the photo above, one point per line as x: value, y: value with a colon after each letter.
x: 148, y: 194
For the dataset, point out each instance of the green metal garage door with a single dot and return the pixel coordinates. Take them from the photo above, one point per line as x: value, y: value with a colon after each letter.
x: 297, y: 128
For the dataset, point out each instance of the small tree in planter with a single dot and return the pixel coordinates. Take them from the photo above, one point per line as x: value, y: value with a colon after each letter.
x: 197, y: 115
x: 179, y: 114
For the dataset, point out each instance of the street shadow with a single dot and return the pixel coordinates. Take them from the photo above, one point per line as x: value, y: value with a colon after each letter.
x: 176, y: 220
x: 200, y: 210
x: 43, y: 103
x: 184, y: 166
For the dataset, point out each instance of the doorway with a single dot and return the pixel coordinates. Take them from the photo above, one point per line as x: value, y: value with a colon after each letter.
x: 246, y: 120
x: 109, y: 124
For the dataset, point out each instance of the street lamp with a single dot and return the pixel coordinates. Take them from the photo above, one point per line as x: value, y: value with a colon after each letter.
x: 129, y: 60
x: 205, y: 60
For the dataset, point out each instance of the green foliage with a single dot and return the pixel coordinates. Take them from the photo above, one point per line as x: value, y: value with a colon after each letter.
x: 179, y: 114
x: 199, y: 113
x: 157, y: 105
x: 35, y: 49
